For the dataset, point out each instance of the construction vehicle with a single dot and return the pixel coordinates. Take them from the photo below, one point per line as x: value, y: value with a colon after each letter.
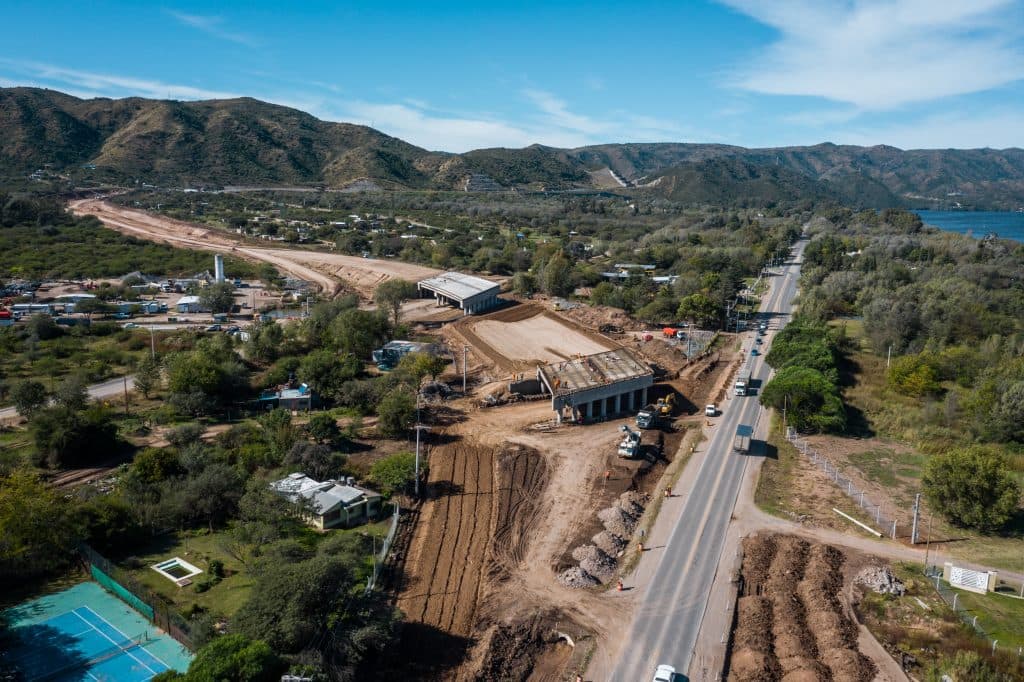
x: 666, y: 405
x: 646, y: 417
x: 742, y: 384
x: 629, y: 446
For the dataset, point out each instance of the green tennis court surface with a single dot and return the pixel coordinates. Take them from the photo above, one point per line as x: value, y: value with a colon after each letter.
x: 85, y: 633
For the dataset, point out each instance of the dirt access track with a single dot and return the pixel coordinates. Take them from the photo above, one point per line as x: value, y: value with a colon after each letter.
x: 327, y: 270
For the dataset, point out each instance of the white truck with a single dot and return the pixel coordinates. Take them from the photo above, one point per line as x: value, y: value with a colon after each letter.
x: 629, y: 446
x: 742, y: 384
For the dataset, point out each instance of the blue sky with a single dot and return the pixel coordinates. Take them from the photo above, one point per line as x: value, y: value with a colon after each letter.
x: 461, y: 75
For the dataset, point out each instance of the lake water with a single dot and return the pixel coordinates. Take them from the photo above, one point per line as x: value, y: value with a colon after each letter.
x: 1006, y: 224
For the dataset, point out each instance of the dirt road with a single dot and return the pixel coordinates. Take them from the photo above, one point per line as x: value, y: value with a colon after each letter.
x: 328, y: 271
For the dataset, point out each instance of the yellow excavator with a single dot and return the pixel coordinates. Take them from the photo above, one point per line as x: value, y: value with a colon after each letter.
x: 666, y: 405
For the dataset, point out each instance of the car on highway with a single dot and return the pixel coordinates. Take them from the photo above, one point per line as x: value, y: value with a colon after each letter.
x: 754, y: 351
x: 129, y: 325
x: 664, y: 673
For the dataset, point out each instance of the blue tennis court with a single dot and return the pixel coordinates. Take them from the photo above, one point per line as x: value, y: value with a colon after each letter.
x: 55, y: 642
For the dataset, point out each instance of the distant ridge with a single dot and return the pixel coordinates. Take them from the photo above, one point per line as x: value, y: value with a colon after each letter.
x: 252, y: 143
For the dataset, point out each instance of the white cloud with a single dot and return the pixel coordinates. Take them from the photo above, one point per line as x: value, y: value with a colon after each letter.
x: 882, y: 54
x: 213, y: 26
x: 77, y: 83
x: 997, y: 129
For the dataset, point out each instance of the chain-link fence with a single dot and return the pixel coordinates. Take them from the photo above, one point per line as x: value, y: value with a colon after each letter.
x: 953, y: 601
x: 885, y: 520
x: 381, y: 557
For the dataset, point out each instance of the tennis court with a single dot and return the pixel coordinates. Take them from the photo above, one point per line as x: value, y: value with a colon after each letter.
x: 85, y: 633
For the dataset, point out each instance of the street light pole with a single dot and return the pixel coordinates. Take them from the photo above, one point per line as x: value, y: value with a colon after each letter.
x: 152, y: 343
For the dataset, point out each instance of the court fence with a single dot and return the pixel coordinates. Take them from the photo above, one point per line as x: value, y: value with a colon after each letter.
x: 126, y: 588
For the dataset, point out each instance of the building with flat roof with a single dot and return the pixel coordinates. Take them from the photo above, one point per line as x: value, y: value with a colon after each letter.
x: 597, y: 385
x: 468, y: 293
x: 189, y: 304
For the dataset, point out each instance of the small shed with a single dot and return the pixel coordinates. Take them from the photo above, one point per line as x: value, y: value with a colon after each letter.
x: 189, y: 304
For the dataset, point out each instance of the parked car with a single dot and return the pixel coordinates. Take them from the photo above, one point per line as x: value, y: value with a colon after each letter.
x: 232, y: 329
x: 129, y: 325
x: 213, y: 328
x: 710, y: 410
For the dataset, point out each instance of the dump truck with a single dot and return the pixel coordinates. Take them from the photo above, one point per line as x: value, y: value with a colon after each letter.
x: 742, y: 384
x: 741, y: 441
x: 629, y: 446
x: 646, y: 417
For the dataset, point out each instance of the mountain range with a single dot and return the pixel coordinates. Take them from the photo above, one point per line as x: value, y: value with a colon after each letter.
x: 246, y: 142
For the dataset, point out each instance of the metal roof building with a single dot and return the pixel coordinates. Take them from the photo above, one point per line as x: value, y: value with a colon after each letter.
x: 597, y: 385
x: 468, y: 293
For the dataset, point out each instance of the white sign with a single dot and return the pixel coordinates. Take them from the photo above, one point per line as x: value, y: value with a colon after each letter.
x: 967, y: 579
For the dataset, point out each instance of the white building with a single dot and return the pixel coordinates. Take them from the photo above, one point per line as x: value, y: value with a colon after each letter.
x: 466, y: 292
x: 331, y: 503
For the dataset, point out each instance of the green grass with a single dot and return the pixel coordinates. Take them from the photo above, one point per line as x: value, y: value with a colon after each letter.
x: 1001, y: 616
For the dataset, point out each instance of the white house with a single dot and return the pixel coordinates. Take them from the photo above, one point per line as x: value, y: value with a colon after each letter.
x: 332, y: 503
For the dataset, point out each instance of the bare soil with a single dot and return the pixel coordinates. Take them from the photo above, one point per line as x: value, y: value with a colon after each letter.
x: 326, y: 270
x: 793, y: 619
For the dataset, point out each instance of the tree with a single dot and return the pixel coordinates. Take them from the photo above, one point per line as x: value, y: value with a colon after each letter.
x: 219, y: 297
x: 147, y: 375
x: 325, y: 371
x: 323, y: 428
x: 65, y: 437
x: 358, y: 332
x: 811, y: 401
x: 396, y: 412
x: 972, y: 487
x: 392, y: 293
x: 700, y: 309
x: 419, y: 365
x: 278, y: 432
x: 28, y: 397
x: 72, y: 393
x: 39, y: 530
x: 556, y: 277
x: 231, y: 658
x: 211, y: 495
x: 394, y: 472
x: 313, y: 459
x: 914, y: 375
x: 524, y: 284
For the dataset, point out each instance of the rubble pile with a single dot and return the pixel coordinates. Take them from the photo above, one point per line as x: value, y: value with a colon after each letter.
x: 595, y: 561
x: 576, y: 578
x: 880, y: 579
x: 609, y: 542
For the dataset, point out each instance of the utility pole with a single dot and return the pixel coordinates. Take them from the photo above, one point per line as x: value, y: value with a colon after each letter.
x: 888, y: 356
x: 927, y: 543
x: 917, y: 514
x: 152, y: 343
x: 125, y: 395
x: 465, y: 360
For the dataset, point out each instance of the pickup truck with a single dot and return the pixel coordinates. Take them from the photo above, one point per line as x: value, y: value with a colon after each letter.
x: 646, y: 417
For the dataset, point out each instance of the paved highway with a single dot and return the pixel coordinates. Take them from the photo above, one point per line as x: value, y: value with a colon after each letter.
x: 106, y: 389
x: 669, y: 615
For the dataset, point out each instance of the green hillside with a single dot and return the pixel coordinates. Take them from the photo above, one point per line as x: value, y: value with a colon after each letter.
x: 248, y: 142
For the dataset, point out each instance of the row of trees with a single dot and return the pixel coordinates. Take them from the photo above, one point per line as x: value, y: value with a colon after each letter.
x: 806, y: 381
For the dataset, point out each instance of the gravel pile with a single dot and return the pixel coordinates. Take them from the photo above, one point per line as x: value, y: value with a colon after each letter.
x: 576, y: 578
x: 609, y: 543
x: 633, y: 503
x: 880, y: 579
x: 617, y: 520
x: 595, y: 561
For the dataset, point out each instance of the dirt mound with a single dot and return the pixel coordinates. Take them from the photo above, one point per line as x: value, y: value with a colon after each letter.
x: 526, y: 649
x: 880, y: 579
x: 609, y: 543
x: 791, y: 623
x: 576, y: 578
